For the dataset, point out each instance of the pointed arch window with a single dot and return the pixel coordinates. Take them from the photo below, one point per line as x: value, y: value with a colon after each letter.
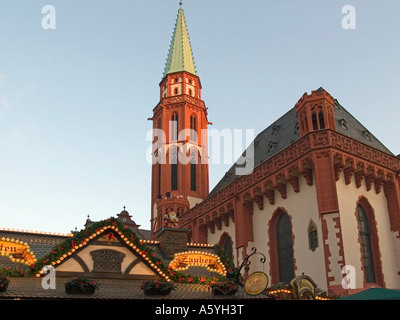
x: 228, y: 247
x: 285, y: 248
x: 314, y: 121
x: 193, y: 171
x: 193, y: 128
x: 366, y: 248
x: 321, y: 120
x: 174, y: 126
x: 159, y: 179
x: 174, y: 171
x: 318, y: 118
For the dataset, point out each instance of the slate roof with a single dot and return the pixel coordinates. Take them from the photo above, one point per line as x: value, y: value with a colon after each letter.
x: 39, y: 243
x: 285, y: 131
x: 31, y: 288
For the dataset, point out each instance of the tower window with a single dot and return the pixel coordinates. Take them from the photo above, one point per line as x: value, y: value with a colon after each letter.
x: 159, y: 178
x: 314, y: 121
x: 174, y: 173
x: 193, y: 173
x: 174, y: 126
x: 318, y: 121
x: 321, y: 120
x: 176, y: 91
x: 193, y: 128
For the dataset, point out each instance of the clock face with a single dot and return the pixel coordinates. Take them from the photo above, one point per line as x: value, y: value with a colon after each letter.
x: 256, y: 283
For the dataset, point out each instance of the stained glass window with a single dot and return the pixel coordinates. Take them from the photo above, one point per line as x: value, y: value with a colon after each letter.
x: 366, y: 248
x: 285, y: 249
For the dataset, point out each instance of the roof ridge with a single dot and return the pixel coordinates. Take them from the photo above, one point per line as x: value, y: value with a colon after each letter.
x: 42, y: 233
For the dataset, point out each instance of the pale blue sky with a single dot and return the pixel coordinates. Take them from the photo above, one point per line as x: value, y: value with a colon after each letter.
x: 74, y: 101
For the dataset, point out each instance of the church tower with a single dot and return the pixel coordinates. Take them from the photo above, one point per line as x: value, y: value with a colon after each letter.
x: 180, y: 142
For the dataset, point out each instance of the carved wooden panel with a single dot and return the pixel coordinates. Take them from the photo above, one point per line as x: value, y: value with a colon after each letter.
x: 107, y: 260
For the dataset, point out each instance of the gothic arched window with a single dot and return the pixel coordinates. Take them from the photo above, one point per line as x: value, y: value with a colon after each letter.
x: 174, y: 171
x: 174, y: 126
x: 193, y: 169
x: 366, y: 248
x: 285, y: 248
x: 317, y: 118
x: 193, y: 128
x: 228, y: 248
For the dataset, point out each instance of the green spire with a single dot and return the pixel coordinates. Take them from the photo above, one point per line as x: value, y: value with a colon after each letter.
x: 180, y: 56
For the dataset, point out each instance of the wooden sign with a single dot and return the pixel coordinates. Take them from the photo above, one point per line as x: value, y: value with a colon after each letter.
x: 256, y: 283
x: 184, y: 260
x: 17, y: 251
x: 303, y: 288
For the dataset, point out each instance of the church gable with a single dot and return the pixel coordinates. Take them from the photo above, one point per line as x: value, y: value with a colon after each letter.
x: 104, y: 250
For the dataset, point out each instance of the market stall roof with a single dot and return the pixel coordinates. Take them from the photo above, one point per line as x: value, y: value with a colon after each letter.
x: 121, y: 289
x: 375, y: 294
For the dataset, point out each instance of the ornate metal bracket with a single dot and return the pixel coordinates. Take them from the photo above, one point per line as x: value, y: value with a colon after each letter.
x: 246, y: 262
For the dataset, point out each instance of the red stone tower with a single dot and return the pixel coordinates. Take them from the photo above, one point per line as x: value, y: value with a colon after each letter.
x: 180, y: 142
